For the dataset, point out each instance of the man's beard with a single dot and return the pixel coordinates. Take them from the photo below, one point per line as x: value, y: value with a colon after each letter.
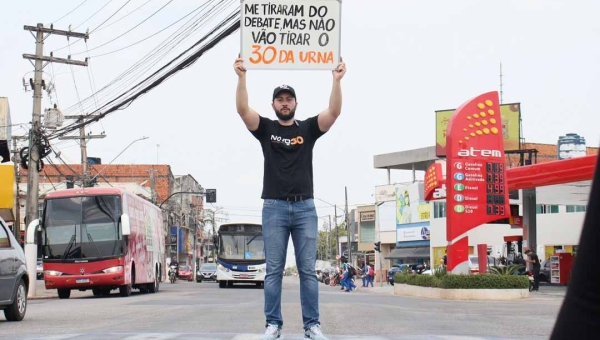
x: 286, y: 117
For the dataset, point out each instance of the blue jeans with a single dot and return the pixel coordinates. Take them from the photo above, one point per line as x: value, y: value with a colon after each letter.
x: 280, y: 219
x: 348, y: 284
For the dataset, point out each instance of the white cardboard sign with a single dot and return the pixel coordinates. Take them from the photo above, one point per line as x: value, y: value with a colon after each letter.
x: 290, y: 34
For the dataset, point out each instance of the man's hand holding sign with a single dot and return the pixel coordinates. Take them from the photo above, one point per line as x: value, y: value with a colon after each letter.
x: 296, y: 35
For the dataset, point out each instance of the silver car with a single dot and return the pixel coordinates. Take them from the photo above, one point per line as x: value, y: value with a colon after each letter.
x: 14, y: 279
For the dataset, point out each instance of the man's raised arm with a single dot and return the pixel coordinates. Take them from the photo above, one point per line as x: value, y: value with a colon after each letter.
x: 328, y: 117
x: 249, y: 116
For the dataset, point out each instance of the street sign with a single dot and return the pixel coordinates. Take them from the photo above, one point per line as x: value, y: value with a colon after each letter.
x: 211, y: 195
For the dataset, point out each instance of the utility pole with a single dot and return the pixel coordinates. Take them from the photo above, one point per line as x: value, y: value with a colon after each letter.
x: 35, y: 133
x: 349, y: 229
x: 16, y: 160
x: 195, y: 255
x: 328, y: 246
x: 83, y: 145
x: 337, y: 231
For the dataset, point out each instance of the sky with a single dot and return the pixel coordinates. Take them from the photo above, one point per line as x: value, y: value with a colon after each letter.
x: 405, y: 60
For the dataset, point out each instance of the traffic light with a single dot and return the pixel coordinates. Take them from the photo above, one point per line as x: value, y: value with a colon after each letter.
x: 378, y: 246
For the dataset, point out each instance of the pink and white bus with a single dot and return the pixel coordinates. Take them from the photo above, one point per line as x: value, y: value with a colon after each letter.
x: 101, y: 239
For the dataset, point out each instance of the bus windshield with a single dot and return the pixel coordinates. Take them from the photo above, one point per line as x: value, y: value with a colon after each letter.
x: 85, y: 227
x: 241, y: 247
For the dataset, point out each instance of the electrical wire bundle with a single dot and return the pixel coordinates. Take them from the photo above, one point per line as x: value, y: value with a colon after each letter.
x: 120, y: 93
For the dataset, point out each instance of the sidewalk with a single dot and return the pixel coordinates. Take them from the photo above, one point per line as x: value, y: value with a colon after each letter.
x: 41, y: 293
x: 376, y: 289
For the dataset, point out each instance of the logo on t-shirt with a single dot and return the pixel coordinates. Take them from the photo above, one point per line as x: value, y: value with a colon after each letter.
x: 293, y: 141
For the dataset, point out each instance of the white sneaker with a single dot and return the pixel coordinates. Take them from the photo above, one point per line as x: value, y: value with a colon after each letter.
x: 314, y: 333
x: 273, y: 332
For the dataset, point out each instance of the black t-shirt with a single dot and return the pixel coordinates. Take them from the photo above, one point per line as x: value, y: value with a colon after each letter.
x: 287, y: 151
x: 534, y: 257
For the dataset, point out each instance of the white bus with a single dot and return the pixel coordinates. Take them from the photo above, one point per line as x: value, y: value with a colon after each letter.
x: 240, y: 254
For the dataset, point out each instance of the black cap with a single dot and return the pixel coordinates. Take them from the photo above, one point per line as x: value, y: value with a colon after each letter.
x: 283, y: 88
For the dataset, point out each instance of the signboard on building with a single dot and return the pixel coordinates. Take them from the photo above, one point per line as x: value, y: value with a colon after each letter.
x: 477, y: 190
x: 508, y: 121
x: 385, y: 193
x: 570, y: 146
x: 413, y: 232
x: 211, y: 195
x: 435, y: 181
x: 290, y: 34
x: 367, y: 216
x: 410, y: 207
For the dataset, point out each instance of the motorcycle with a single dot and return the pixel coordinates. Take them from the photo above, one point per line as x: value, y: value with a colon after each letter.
x: 172, y: 274
x: 530, y: 276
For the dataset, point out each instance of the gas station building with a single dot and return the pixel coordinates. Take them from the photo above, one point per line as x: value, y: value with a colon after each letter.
x: 559, y: 209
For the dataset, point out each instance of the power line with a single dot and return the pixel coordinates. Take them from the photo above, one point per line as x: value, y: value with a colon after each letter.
x: 73, y: 10
x: 166, y: 47
x: 112, y: 15
x: 128, y: 31
x: 75, y: 83
x: 78, y: 40
x: 86, y: 20
x: 125, y: 102
x: 98, y: 29
x: 148, y: 37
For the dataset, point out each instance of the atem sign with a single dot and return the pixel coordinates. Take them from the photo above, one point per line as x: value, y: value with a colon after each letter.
x: 475, y: 172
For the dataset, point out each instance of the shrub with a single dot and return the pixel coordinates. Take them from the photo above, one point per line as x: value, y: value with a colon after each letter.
x: 440, y: 272
x: 418, y: 280
x: 506, y: 270
x: 450, y: 281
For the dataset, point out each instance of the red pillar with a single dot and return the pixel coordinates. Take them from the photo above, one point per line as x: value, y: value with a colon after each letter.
x: 482, y: 258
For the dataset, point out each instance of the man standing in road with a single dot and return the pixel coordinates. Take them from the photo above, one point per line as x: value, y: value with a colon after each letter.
x: 535, y: 263
x: 288, y: 207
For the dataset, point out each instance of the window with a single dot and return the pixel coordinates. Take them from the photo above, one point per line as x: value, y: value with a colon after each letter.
x: 4, y: 242
x: 546, y: 209
x: 576, y: 208
x: 439, y: 209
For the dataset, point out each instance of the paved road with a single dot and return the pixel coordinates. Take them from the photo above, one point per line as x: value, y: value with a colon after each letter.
x: 188, y: 310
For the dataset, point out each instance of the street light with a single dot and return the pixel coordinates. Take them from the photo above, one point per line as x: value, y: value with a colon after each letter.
x: 130, y: 144
x: 337, y: 233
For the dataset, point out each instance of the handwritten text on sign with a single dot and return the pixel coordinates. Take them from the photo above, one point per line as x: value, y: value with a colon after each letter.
x: 300, y: 34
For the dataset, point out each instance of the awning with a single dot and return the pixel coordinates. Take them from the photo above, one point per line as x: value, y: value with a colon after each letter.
x: 411, y: 252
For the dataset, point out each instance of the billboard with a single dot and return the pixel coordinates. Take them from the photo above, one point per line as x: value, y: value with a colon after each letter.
x: 570, y: 146
x: 477, y: 190
x: 410, y: 207
x: 510, y: 118
x: 413, y: 232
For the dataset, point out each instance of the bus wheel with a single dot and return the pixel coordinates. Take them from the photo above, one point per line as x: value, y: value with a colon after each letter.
x: 222, y: 284
x: 64, y: 293
x: 154, y: 286
x: 125, y: 291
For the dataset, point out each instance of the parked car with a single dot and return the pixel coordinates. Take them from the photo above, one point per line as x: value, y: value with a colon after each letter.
x: 474, y: 263
x: 14, y: 280
x: 207, y: 272
x: 545, y: 272
x: 185, y: 272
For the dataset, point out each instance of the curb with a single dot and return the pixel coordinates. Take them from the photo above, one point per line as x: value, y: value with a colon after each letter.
x: 42, y: 298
